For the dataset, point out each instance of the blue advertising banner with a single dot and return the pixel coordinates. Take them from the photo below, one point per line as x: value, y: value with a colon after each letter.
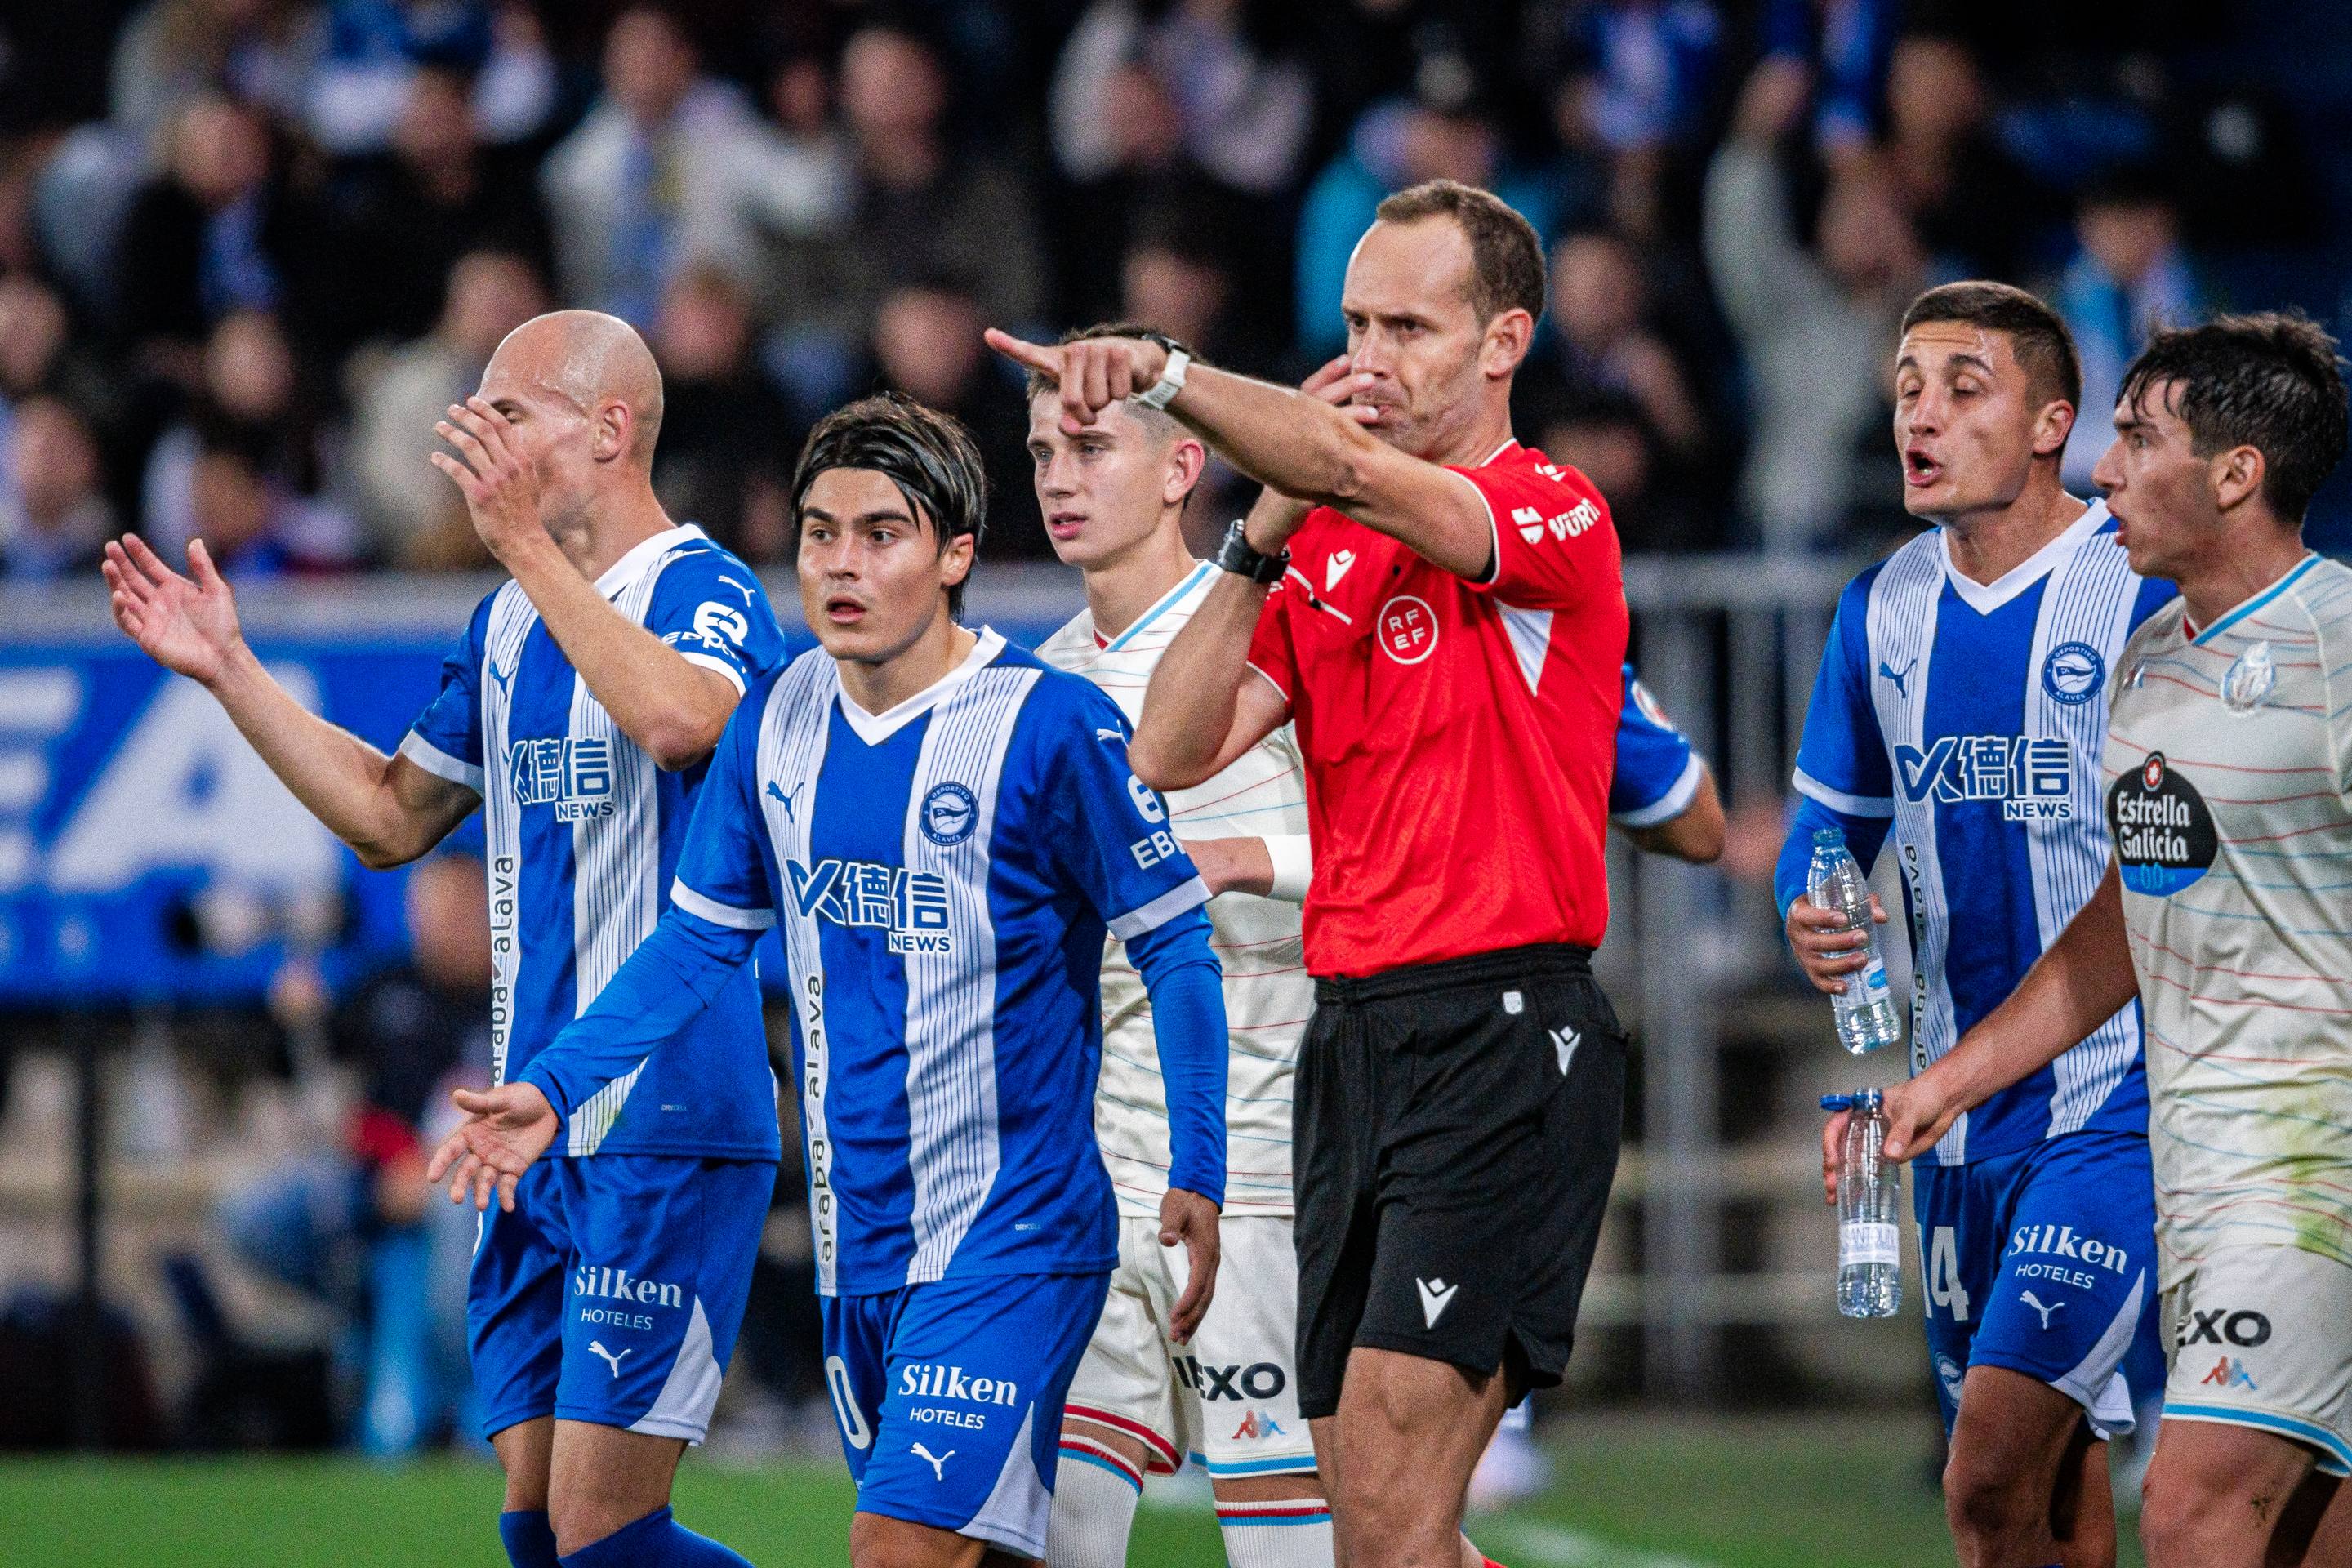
x: 147, y: 856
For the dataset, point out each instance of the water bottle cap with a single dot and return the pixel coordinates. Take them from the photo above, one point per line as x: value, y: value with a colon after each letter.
x: 1866, y: 1099
x: 1837, y: 1103
x: 1823, y: 838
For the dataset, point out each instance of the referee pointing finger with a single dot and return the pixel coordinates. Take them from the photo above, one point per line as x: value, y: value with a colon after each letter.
x: 1441, y: 612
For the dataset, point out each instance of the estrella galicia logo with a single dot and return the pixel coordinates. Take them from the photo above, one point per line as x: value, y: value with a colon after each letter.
x: 951, y: 814
x: 2162, y: 829
x: 2073, y: 673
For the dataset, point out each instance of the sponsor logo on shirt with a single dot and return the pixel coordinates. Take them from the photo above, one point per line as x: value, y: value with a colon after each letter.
x: 1407, y: 628
x: 1533, y: 524
x: 575, y: 777
x: 2231, y: 1373
x: 2060, y: 1241
x: 912, y: 906
x: 1261, y: 1380
x: 597, y: 1282
x: 2073, y: 673
x: 1256, y: 1425
x: 2162, y: 829
x: 2033, y: 777
x: 2223, y: 1326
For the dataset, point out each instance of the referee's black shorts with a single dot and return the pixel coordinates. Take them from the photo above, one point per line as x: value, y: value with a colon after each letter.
x: 1455, y: 1129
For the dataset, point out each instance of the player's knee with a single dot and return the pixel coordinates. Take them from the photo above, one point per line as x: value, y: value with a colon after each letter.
x: 2178, y: 1505
x: 1987, y: 1502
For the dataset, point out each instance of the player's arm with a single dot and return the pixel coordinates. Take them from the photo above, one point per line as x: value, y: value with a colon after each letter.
x: 1206, y: 705
x: 1842, y: 780
x: 672, y: 708
x: 719, y: 904
x: 1186, y: 984
x: 1295, y: 441
x: 388, y: 809
x: 1694, y: 834
x: 2085, y: 978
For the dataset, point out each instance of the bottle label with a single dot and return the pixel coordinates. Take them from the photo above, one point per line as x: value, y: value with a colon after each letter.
x: 1860, y: 1242
x: 1874, y: 985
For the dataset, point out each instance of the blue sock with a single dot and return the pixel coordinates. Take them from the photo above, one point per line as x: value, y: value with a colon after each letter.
x: 656, y: 1541
x: 530, y: 1540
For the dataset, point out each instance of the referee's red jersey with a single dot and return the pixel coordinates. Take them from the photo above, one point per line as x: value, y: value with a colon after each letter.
x: 1458, y: 736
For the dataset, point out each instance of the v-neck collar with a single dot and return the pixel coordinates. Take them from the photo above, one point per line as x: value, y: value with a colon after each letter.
x: 632, y: 565
x: 2249, y: 604
x: 1984, y: 598
x: 876, y: 728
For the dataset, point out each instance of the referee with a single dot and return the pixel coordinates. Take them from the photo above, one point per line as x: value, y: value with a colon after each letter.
x: 1441, y: 612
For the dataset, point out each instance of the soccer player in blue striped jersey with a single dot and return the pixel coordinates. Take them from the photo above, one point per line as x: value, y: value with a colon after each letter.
x: 945, y: 830
x: 1662, y: 796
x: 579, y: 712
x: 1958, y: 716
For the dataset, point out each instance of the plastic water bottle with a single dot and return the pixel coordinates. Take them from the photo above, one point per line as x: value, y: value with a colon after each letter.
x: 1870, y: 1248
x: 1864, y: 1012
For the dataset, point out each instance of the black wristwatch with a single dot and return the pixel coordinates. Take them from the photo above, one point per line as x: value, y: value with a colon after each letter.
x: 1239, y: 556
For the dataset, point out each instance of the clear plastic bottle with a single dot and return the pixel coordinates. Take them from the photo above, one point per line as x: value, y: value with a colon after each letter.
x: 1870, y: 1247
x: 1864, y: 1012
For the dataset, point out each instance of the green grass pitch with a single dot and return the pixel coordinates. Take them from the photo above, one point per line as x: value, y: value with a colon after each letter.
x: 1649, y: 1492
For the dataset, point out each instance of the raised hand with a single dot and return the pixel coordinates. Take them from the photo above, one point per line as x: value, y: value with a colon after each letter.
x: 187, y: 624
x: 500, y: 487
x: 506, y: 1128
x: 1091, y: 374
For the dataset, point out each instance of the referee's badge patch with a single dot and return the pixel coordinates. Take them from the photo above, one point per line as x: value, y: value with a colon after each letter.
x: 1513, y: 1003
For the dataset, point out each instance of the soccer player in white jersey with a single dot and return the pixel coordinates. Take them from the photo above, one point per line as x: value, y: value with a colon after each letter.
x: 945, y: 831
x: 1960, y: 705
x: 1112, y: 498
x: 578, y: 712
x: 2229, y: 770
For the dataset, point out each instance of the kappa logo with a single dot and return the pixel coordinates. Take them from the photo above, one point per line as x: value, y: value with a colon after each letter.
x: 1436, y: 1295
x: 1257, y: 1424
x: 2231, y: 1373
x: 597, y: 1346
x: 938, y: 1462
x: 1565, y: 1041
x: 1337, y: 567
x: 2034, y: 1301
x: 1900, y: 678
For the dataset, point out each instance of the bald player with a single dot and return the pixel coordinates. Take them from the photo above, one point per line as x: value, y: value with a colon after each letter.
x: 578, y: 710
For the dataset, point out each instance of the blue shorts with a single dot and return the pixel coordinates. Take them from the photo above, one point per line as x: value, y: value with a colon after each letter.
x: 2043, y: 1261
x: 613, y: 1290
x: 950, y: 1397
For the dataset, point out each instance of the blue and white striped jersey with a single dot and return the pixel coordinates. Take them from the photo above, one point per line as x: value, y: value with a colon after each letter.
x: 1658, y: 772
x: 1972, y: 715
x: 582, y: 832
x: 945, y: 874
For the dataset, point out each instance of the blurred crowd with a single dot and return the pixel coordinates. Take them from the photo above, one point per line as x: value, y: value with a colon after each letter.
x: 250, y: 248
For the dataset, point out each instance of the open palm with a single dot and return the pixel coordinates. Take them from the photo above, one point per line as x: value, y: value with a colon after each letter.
x: 187, y: 624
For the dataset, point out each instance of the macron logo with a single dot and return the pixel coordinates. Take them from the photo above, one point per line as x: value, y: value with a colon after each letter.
x: 1337, y: 567
x: 1565, y: 1042
x: 1436, y: 1295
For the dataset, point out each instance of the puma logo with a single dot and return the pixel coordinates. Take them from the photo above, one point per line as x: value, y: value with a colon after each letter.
x: 2034, y: 1301
x: 1900, y: 679
x: 505, y: 677
x: 938, y: 1462
x: 597, y: 1346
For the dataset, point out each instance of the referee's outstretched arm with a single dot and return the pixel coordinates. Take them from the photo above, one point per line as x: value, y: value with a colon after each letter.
x: 1296, y: 442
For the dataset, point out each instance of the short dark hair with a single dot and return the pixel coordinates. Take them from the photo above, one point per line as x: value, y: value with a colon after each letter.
x: 1039, y: 381
x: 929, y: 454
x: 2270, y: 381
x: 1507, y: 259
x: 2037, y: 334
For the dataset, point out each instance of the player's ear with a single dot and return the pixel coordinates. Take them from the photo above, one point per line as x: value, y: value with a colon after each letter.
x: 1186, y: 458
x: 611, y: 427
x: 955, y: 560
x: 2237, y: 475
x: 1508, y: 337
x: 2051, y: 427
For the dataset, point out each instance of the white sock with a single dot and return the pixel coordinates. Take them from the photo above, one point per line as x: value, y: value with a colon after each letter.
x: 1288, y: 1533
x: 1095, y: 1494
